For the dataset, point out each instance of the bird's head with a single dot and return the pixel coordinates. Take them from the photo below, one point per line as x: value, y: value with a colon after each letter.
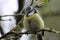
x: 30, y: 11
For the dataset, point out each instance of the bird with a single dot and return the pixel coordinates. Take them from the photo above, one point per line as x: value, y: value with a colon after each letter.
x: 32, y: 21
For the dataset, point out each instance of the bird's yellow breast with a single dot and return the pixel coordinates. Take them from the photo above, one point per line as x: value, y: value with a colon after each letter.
x: 35, y: 19
x: 32, y: 17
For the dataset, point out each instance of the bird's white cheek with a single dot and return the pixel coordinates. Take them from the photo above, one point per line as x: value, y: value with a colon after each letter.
x: 31, y: 13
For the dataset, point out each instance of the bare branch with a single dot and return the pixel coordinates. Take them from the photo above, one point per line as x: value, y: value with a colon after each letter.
x: 28, y: 32
x: 12, y: 15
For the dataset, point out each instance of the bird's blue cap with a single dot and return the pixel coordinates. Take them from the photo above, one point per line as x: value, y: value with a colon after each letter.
x: 30, y: 9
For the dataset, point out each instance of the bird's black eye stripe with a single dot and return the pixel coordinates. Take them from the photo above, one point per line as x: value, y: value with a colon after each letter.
x: 35, y: 11
x: 30, y: 11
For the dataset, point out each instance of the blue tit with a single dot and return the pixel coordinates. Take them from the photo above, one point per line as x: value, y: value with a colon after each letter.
x: 32, y: 20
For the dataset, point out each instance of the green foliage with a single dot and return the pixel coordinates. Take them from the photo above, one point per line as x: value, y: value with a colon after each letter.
x: 17, y: 28
x: 45, y: 1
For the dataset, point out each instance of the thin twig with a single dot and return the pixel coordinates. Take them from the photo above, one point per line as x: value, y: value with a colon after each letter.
x: 19, y: 34
x: 11, y: 15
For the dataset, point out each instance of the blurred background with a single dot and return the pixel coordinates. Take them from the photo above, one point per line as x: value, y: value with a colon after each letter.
x: 51, y: 16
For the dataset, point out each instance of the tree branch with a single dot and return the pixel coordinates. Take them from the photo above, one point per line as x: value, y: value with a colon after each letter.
x: 28, y: 32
